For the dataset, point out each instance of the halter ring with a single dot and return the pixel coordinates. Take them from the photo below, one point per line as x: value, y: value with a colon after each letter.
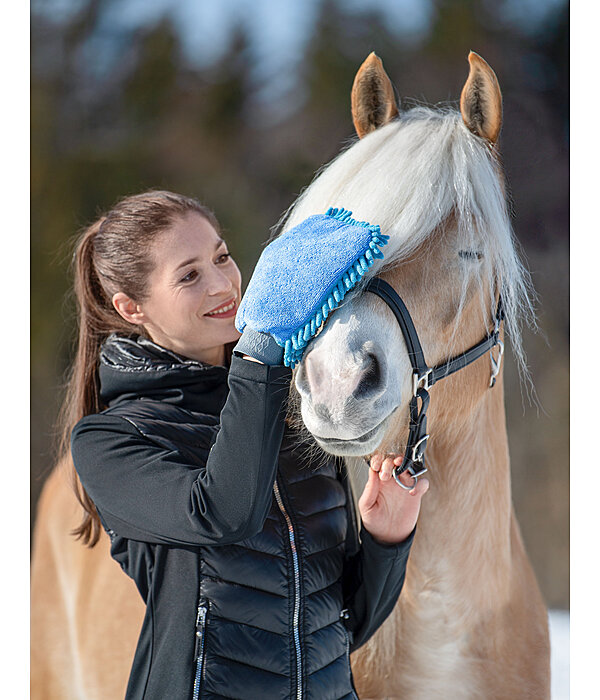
x: 406, y: 488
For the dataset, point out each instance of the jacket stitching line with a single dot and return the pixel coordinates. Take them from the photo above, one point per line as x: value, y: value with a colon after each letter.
x: 243, y: 663
x: 320, y: 590
x: 151, y: 604
x: 215, y: 616
x: 324, y: 551
x: 329, y: 624
x: 172, y: 450
x: 220, y: 579
x: 259, y: 551
x: 320, y: 512
x: 337, y: 658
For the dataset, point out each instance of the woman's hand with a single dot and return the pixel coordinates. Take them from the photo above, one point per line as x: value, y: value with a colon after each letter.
x: 389, y: 512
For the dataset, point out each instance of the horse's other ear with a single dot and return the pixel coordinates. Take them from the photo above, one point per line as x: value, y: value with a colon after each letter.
x: 481, y: 100
x: 373, y: 101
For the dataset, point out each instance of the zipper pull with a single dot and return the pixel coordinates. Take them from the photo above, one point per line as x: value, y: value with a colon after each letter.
x: 200, y: 622
x: 345, y: 618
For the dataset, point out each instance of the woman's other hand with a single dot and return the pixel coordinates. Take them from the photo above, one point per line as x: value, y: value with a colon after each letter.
x: 389, y: 512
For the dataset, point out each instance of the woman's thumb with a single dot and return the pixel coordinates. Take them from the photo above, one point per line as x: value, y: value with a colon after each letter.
x: 370, y: 492
x: 420, y: 489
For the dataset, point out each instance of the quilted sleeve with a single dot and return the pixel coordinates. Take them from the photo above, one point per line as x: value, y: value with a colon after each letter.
x: 146, y: 491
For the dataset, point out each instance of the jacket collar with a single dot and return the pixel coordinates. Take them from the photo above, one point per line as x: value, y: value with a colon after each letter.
x: 137, y: 368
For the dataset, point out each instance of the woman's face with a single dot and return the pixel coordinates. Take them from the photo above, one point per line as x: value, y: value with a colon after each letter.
x: 194, y: 291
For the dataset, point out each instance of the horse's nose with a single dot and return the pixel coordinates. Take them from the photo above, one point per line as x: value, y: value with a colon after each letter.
x: 329, y: 380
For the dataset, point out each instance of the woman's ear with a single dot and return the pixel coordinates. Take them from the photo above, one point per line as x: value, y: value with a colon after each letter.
x: 128, y: 309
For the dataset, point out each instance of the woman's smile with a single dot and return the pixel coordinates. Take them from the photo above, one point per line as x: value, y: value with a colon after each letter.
x: 226, y: 310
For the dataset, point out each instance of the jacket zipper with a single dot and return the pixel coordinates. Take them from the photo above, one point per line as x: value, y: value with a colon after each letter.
x: 345, y: 615
x: 296, y: 615
x: 199, y: 647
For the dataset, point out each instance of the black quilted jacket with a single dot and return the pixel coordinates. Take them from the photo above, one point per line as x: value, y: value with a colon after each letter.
x: 242, y: 541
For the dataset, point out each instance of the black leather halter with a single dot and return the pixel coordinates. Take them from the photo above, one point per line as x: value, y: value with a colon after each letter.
x: 424, y: 377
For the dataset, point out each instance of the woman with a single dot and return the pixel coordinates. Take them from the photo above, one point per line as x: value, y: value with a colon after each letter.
x: 246, y: 554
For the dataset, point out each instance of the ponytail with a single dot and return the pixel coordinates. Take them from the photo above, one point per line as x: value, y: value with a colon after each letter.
x: 97, y: 319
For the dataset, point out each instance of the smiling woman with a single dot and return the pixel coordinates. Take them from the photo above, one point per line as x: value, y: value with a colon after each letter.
x: 128, y: 276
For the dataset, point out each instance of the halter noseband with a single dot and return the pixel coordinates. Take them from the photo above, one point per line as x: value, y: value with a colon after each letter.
x: 424, y: 377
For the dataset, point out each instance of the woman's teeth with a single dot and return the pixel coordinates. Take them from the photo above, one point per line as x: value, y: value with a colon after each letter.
x: 222, y: 310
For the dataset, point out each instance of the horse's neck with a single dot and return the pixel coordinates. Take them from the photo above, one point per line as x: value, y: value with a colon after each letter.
x: 465, y: 521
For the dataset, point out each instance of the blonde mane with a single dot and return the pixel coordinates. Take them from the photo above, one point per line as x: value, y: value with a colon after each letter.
x: 410, y: 176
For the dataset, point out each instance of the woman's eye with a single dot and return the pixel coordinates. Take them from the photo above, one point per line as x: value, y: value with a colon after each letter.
x: 191, y: 275
x: 223, y: 258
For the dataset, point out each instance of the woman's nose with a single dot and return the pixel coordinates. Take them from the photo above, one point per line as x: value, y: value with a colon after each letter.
x: 219, y: 282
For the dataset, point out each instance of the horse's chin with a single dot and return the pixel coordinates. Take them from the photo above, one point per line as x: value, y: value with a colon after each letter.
x: 360, y: 446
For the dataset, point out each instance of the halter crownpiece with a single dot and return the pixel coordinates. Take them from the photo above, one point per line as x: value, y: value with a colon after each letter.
x: 424, y: 377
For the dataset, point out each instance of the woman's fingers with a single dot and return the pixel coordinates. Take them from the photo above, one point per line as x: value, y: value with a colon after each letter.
x: 376, y: 461
x: 385, y: 464
x: 386, y: 469
x: 370, y: 492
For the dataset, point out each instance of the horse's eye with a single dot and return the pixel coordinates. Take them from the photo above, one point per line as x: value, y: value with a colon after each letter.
x: 470, y: 254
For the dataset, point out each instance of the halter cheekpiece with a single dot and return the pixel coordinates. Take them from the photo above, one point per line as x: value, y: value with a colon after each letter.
x: 424, y: 377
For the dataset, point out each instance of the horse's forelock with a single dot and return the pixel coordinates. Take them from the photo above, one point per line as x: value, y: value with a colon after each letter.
x: 413, y: 175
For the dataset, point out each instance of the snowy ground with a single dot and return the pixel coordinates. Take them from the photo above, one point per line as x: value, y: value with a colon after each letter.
x: 559, y: 640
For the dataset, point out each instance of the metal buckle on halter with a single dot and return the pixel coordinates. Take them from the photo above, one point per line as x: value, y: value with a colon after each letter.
x: 418, y: 457
x: 496, y: 364
x: 416, y: 381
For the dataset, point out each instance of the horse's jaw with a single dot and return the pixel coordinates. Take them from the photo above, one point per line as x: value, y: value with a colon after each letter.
x: 360, y: 446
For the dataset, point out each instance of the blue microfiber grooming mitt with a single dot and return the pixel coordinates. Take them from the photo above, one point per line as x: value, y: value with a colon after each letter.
x: 304, y: 274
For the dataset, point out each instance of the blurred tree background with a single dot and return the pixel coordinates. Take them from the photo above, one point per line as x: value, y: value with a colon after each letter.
x: 127, y: 96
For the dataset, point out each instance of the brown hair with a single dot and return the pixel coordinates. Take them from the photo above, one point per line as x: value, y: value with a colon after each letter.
x: 111, y: 255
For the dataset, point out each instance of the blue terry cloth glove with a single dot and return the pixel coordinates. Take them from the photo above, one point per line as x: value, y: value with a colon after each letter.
x: 259, y: 345
x: 304, y: 274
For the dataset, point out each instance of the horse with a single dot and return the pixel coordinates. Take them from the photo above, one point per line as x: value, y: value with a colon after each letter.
x: 470, y: 621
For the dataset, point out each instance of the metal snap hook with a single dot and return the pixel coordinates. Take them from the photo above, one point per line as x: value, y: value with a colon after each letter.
x: 496, y: 364
x: 416, y: 456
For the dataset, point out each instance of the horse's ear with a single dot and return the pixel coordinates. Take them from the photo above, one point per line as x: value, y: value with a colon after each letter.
x: 481, y: 100
x: 373, y: 101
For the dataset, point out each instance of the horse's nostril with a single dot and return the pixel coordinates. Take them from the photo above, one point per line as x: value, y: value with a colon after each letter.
x: 370, y: 380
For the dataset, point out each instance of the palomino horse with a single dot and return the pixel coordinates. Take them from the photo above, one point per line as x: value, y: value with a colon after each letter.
x: 470, y: 622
